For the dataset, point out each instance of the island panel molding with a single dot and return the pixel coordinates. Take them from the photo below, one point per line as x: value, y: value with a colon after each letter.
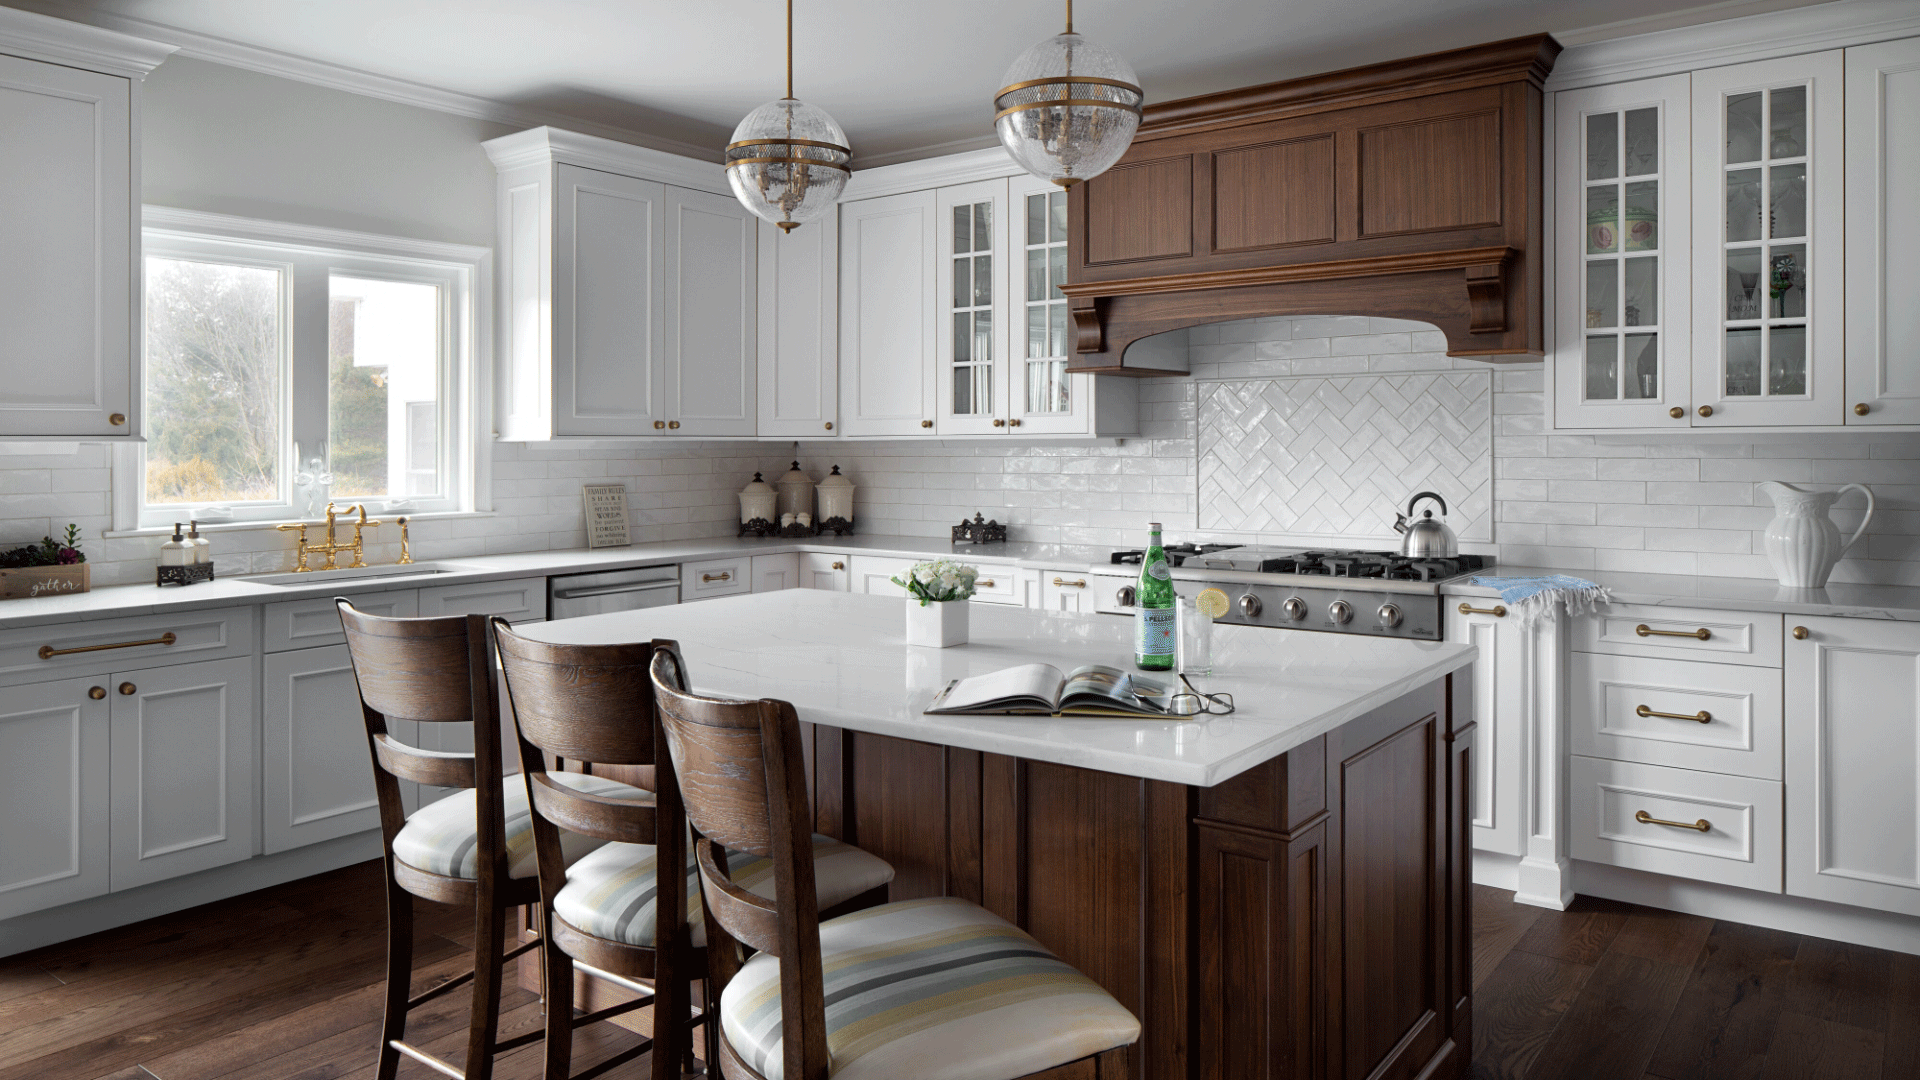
x: 1425, y: 173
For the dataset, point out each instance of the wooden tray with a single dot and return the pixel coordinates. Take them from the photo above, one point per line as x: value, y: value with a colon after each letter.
x: 30, y: 581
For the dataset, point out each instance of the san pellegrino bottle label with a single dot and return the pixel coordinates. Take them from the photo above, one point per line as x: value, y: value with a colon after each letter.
x: 1153, y: 614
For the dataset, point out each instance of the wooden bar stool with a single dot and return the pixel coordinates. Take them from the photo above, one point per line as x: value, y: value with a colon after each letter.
x: 935, y: 989
x: 474, y: 847
x: 593, y: 704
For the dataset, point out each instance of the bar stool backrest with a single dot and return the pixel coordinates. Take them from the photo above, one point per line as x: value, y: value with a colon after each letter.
x: 744, y: 784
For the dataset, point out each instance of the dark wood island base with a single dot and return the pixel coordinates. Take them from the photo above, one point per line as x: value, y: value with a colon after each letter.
x: 1306, y: 918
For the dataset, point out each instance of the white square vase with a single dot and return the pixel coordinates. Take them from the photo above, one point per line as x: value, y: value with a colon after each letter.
x: 937, y: 626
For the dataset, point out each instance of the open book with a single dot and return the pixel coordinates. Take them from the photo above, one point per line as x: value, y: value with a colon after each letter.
x: 1042, y: 690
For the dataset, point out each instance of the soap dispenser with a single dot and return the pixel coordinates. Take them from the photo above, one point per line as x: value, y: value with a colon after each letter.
x: 202, y: 549
x: 177, y: 551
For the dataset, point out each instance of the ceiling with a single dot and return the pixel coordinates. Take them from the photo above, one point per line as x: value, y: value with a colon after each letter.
x: 906, y: 78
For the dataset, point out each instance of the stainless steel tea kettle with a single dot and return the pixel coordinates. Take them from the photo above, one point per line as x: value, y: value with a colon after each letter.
x: 1426, y: 538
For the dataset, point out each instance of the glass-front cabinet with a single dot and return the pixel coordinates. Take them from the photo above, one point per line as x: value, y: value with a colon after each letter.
x: 1769, y: 345
x: 1623, y: 157
x: 972, y: 335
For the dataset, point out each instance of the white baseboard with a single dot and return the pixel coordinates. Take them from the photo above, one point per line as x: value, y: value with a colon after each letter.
x: 1814, y: 918
x: 69, y: 921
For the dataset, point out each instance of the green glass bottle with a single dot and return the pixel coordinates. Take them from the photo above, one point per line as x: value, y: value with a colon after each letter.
x: 1153, y: 612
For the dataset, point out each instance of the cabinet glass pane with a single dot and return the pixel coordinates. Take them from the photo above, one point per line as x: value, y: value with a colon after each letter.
x: 1057, y: 329
x: 1641, y: 222
x: 1603, y: 137
x: 1743, y: 363
x: 962, y: 229
x: 1787, y: 202
x: 1642, y: 363
x: 1036, y: 273
x: 1056, y: 271
x: 1036, y: 219
x: 1037, y: 331
x: 1787, y: 132
x: 1057, y: 218
x: 1643, y: 142
x: 1603, y: 219
x: 1743, y: 283
x: 1602, y: 372
x: 1602, y: 293
x: 1642, y: 289
x: 1787, y: 282
x: 983, y: 226
x: 1787, y: 360
x: 1047, y: 386
x: 962, y: 281
x: 1743, y: 205
x: 972, y: 391
x: 962, y: 337
x: 982, y: 281
x: 1743, y: 128
x: 982, y: 336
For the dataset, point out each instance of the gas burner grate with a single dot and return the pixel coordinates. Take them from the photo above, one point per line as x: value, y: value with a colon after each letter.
x: 1176, y: 553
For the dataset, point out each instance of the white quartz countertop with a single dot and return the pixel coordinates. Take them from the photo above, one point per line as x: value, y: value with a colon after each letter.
x: 1900, y: 603
x: 842, y: 660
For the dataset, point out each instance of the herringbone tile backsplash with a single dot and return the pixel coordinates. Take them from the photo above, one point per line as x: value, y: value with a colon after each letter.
x: 1334, y: 457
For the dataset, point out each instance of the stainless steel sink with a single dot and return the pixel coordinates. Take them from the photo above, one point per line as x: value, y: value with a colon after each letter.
x: 411, y: 570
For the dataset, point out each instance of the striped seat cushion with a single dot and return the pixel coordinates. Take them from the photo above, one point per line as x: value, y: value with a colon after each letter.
x: 610, y: 893
x: 934, y: 989
x: 444, y: 838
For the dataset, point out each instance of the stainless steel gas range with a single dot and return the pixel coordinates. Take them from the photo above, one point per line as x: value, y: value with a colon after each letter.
x: 1378, y: 593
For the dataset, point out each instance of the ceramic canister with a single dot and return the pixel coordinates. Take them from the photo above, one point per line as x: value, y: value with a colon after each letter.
x: 836, y: 497
x: 796, y: 491
x: 758, y: 500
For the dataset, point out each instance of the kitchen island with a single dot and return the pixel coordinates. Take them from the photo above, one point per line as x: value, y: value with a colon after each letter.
x: 1277, y: 893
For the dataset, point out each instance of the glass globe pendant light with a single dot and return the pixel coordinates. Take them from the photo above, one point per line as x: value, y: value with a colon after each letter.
x: 1069, y: 108
x: 788, y: 160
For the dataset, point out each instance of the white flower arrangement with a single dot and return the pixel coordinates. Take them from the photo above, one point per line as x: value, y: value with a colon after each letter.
x: 938, y: 581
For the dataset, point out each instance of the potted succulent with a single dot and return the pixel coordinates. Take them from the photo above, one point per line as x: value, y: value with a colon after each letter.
x: 937, y: 595
x: 48, y: 568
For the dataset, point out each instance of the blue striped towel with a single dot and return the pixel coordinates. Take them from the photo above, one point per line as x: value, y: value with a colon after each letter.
x: 1532, y: 598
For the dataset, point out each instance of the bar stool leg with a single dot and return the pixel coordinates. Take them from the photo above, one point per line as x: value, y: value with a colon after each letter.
x: 559, y: 969
x: 393, y: 1024
x: 489, y: 929
x: 670, y: 1011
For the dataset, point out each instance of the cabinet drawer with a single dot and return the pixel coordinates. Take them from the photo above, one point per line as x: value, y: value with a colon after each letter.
x: 125, y: 644
x: 1616, y: 701
x: 1741, y: 845
x: 306, y: 624
x: 1733, y: 637
x: 873, y: 575
x: 518, y: 599
x: 1002, y: 585
x: 716, y: 577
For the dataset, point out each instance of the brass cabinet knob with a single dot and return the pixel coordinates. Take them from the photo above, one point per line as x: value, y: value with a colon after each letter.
x: 97, y: 693
x: 1861, y: 409
x: 999, y: 423
x: 117, y: 419
x: 674, y: 424
x: 659, y: 424
x: 127, y: 689
x: 1706, y: 410
x: 1013, y: 423
x: 829, y: 425
x: 839, y: 566
x: 1676, y: 412
x: 926, y: 423
x: 1801, y: 633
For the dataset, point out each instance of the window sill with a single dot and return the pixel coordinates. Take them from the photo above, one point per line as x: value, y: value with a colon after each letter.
x: 266, y: 526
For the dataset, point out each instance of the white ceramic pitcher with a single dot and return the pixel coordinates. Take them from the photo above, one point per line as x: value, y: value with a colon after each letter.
x: 1803, y: 543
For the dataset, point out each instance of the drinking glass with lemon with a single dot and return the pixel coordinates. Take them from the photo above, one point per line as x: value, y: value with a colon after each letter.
x: 1196, y: 631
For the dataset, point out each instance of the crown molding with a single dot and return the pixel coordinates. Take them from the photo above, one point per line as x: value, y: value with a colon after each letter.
x: 544, y: 145
x: 197, y: 46
x: 258, y: 231
x: 1763, y: 36
x: 916, y: 153
x: 923, y: 173
x: 60, y: 41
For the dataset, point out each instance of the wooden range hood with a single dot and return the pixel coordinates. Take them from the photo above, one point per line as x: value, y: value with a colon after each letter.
x: 1410, y: 189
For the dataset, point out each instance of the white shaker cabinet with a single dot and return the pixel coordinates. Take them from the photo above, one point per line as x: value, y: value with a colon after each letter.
x: 711, y: 362
x: 69, y: 221
x: 1067, y: 590
x: 1883, y: 233
x: 54, y: 794
x: 1500, y: 712
x: 826, y: 570
x: 799, y: 336
x: 1853, y: 762
x: 888, y: 305
x: 771, y: 573
x: 182, y: 770
x: 318, y: 781
x: 873, y: 575
x: 970, y: 327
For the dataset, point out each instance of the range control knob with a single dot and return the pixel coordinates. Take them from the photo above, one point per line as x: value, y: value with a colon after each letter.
x: 1295, y: 609
x: 1124, y: 597
x: 1389, y: 615
x: 1340, y: 611
x: 1250, y: 606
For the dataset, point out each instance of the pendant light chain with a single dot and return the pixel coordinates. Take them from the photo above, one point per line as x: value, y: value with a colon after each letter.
x: 790, y: 45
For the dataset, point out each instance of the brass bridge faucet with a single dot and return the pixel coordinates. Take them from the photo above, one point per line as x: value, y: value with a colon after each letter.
x: 331, y: 547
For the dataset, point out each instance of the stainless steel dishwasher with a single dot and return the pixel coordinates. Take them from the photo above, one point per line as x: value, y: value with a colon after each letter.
x: 575, y: 595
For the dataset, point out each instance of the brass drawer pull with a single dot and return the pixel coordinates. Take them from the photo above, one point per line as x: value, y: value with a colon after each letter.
x: 48, y: 652
x: 1063, y: 583
x: 1646, y: 631
x: 1644, y: 818
x: 987, y: 584
x: 1498, y: 611
x: 722, y: 576
x: 1702, y: 716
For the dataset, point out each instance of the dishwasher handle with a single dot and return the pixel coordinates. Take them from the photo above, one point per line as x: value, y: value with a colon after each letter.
x: 614, y: 590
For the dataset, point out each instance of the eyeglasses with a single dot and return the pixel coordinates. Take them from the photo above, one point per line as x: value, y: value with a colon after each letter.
x: 1192, y: 702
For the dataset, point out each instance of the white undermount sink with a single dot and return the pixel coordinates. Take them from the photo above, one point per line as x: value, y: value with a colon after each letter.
x: 317, y: 576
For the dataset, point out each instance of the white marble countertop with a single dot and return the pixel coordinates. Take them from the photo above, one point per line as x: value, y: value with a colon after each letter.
x: 1899, y: 603
x: 842, y: 660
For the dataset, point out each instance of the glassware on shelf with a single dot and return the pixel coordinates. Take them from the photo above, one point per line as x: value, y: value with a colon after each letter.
x: 1603, y: 130
x: 1787, y: 134
x: 1743, y: 362
x: 1787, y: 360
x: 1787, y: 202
x: 1743, y: 205
x: 1642, y: 291
x: 1603, y: 375
x: 1643, y: 142
x: 1602, y: 290
x: 1642, y: 367
x: 1787, y: 282
x: 1743, y: 283
x: 1743, y: 127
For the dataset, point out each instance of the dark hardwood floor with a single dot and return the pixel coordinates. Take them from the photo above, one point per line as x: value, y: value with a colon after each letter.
x: 285, y: 983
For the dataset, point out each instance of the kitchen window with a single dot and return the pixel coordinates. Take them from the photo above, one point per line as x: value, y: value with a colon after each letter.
x: 285, y: 367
